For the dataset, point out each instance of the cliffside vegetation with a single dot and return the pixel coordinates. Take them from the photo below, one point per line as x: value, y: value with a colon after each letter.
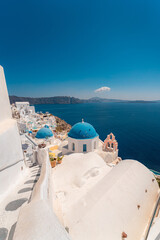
x: 62, y: 125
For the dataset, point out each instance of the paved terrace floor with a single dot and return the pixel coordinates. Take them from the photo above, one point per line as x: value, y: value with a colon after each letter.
x: 18, y: 197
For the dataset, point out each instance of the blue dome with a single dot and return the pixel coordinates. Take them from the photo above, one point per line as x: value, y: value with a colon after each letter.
x: 82, y: 130
x: 44, y: 133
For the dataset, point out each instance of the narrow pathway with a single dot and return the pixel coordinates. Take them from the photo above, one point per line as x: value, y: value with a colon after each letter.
x: 20, y: 196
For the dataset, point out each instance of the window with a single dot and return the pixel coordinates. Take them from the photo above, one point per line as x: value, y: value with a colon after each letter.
x: 84, y: 147
x: 73, y: 147
x: 112, y: 145
x: 108, y: 144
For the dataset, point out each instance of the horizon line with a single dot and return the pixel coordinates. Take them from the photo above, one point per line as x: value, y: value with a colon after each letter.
x: 118, y: 99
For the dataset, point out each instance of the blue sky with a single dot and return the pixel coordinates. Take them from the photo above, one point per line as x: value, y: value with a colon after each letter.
x: 51, y: 48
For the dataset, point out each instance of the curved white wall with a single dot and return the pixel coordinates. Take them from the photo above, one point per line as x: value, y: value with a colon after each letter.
x: 111, y: 206
x: 38, y: 222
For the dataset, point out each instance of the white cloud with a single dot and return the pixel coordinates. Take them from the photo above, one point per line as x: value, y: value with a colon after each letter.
x: 102, y: 89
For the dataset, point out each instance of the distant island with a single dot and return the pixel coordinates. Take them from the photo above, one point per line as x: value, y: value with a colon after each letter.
x: 69, y: 100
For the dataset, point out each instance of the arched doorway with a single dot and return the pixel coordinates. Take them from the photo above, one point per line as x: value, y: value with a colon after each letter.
x: 84, y: 147
x: 73, y: 147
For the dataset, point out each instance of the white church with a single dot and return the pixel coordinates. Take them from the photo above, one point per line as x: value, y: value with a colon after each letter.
x: 82, y: 138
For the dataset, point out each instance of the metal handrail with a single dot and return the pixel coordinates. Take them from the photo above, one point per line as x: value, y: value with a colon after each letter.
x: 35, y: 144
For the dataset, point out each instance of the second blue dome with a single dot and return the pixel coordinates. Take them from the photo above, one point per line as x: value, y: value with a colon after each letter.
x: 44, y: 132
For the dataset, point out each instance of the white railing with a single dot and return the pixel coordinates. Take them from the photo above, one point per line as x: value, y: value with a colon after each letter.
x: 43, y: 189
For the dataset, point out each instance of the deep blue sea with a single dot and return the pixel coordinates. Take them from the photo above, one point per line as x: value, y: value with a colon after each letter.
x: 135, y: 125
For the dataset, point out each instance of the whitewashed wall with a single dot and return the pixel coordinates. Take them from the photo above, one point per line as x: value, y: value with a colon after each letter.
x: 109, y: 157
x: 32, y: 109
x: 5, y: 111
x: 11, y: 156
x: 79, y: 144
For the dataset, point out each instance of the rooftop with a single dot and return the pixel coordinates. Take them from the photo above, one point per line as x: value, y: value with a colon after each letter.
x: 44, y: 132
x: 82, y: 130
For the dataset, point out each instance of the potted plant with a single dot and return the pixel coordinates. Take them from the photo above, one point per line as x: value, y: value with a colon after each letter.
x: 42, y: 145
x: 53, y: 162
x: 59, y: 159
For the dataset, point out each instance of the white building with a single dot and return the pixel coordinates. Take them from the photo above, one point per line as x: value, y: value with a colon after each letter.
x: 11, y: 158
x: 24, y: 108
x: 82, y: 138
x: 22, y: 105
